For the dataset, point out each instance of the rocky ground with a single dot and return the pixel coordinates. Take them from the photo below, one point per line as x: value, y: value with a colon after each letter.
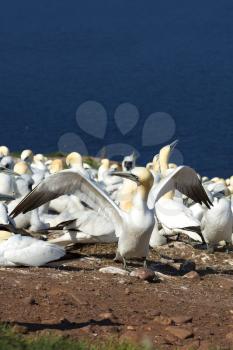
x: 187, y: 302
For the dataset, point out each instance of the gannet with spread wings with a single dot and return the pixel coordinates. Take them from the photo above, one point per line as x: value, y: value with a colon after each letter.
x: 134, y: 227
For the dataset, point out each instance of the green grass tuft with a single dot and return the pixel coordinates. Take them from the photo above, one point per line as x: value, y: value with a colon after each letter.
x: 12, y: 341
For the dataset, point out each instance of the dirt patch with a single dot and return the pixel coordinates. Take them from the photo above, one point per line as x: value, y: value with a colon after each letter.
x: 183, y: 309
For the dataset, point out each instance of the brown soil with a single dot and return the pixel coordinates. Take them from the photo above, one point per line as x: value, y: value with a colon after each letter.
x: 73, y: 298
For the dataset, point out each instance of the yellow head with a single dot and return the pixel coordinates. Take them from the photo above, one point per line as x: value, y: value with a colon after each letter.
x: 39, y: 158
x: 27, y: 155
x: 22, y: 168
x: 56, y: 166
x: 149, y: 166
x: 115, y: 167
x: 4, y: 151
x: 164, y: 156
x: 214, y: 179
x: 74, y: 159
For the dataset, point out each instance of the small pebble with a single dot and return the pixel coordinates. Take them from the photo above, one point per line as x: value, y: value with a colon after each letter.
x: 193, y: 275
x: 180, y: 319
x: 181, y: 333
x: 106, y: 316
x: 163, y: 320
x: 144, y: 274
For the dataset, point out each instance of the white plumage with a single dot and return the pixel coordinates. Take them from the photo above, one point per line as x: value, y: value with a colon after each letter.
x: 27, y: 251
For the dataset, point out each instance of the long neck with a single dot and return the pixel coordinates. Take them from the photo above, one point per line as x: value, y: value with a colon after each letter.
x: 140, y: 198
x: 156, y: 167
x: 163, y: 160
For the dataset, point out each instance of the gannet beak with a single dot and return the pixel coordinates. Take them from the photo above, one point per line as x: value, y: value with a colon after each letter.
x: 173, y: 145
x: 128, y: 176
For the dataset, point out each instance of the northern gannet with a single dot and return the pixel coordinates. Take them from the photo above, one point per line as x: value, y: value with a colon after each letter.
x: 7, y: 162
x: 217, y: 222
x: 103, y: 169
x: 17, y: 250
x: 56, y: 166
x: 174, y: 216
x: 22, y: 167
x: 7, y: 184
x: 90, y: 227
x: 75, y: 162
x: 134, y: 227
x: 4, y: 151
x: 40, y: 157
x: 27, y: 156
x: 158, y: 237
x: 106, y: 179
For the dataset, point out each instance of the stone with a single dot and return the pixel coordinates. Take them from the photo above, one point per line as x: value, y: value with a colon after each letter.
x: 106, y: 316
x: 187, y: 266
x: 163, y: 320
x: 113, y: 270
x: 170, y: 339
x: 192, y: 275
x: 180, y: 319
x: 144, y: 274
x: 181, y: 333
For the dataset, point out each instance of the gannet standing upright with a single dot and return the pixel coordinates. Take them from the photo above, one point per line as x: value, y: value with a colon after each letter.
x: 174, y: 216
x: 134, y: 227
x: 103, y: 169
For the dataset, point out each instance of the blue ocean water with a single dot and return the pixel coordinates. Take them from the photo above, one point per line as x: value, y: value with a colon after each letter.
x: 165, y: 56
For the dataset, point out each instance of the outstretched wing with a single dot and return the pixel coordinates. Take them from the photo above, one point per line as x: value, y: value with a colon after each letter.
x: 183, y: 179
x: 70, y: 182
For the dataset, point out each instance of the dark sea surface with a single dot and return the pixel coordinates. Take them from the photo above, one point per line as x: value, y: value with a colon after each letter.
x: 174, y: 57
